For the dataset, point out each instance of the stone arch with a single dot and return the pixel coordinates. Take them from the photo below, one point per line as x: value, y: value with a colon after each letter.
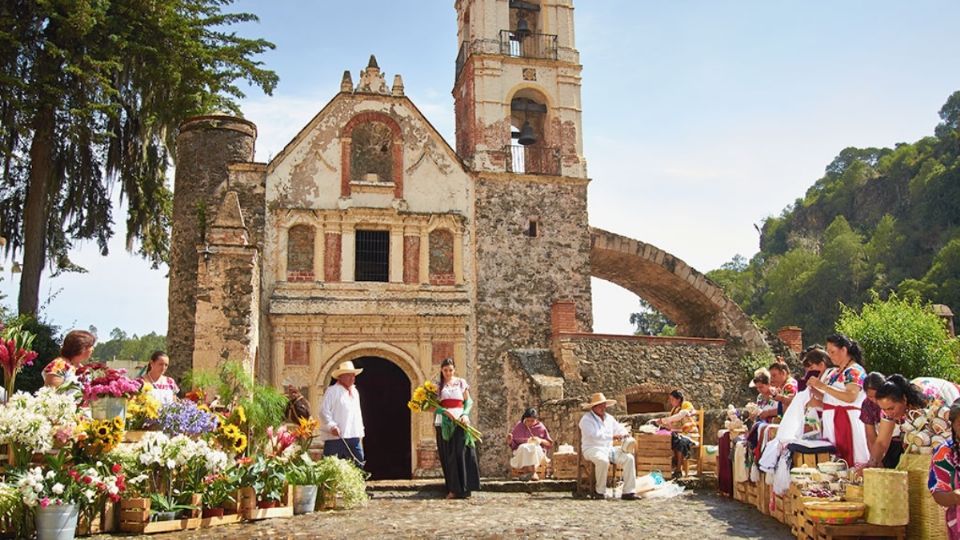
x: 698, y: 306
x: 395, y: 150
x: 396, y: 355
x: 417, y: 428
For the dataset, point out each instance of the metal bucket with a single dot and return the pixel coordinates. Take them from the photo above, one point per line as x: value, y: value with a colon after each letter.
x: 107, y: 408
x: 57, y: 522
x: 304, y: 499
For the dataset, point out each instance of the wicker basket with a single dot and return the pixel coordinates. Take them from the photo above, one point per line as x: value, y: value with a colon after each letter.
x: 885, y: 494
x: 834, y: 513
x: 927, y: 518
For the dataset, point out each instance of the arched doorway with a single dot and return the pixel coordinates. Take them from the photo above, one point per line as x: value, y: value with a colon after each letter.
x: 384, y: 393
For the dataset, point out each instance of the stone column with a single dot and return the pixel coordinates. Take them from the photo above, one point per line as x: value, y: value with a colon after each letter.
x: 206, y: 146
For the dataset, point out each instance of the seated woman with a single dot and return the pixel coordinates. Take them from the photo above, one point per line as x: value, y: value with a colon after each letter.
x: 785, y: 386
x: 943, y: 481
x: 76, y: 349
x: 529, y: 441
x: 765, y: 396
x: 163, y: 388
x: 815, y: 360
x: 896, y: 398
x: 683, y: 423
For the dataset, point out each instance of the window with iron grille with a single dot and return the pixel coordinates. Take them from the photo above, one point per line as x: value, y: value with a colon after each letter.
x: 373, y: 256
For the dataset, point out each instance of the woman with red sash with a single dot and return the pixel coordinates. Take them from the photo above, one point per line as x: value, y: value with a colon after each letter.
x: 456, y: 448
x: 842, y: 387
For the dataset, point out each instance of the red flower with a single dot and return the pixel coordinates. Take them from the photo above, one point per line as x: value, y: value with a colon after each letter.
x: 86, y: 479
x: 116, y: 468
x: 72, y: 473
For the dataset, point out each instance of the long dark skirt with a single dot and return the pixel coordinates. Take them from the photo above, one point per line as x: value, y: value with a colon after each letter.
x: 459, y: 464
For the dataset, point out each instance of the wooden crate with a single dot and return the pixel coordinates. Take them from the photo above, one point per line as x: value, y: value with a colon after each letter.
x: 135, y: 518
x: 106, y: 520
x: 250, y: 512
x: 810, y: 460
x: 857, y: 530
x: 564, y: 466
x: 763, y: 495
x: 223, y: 520
x: 653, y: 453
x: 750, y: 496
x: 740, y: 491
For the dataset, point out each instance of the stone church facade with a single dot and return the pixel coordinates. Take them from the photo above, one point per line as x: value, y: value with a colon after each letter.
x: 370, y: 239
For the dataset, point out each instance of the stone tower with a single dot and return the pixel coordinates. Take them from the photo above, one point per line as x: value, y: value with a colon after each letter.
x: 206, y: 148
x: 518, y: 127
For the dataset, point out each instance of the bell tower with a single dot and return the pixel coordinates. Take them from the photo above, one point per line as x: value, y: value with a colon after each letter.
x: 517, y: 88
x: 518, y: 128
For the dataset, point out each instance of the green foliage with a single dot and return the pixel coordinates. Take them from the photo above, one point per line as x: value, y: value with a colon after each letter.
x: 120, y: 346
x: 264, y: 405
x: 902, y: 336
x: 346, y: 480
x: 880, y: 220
x: 92, y: 92
x: 751, y: 362
x: 307, y: 472
x: 650, y: 322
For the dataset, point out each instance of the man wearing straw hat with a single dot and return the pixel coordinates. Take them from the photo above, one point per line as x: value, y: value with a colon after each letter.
x: 598, y: 430
x: 342, y: 430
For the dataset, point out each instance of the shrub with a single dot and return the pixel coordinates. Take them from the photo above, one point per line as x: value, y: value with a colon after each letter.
x: 902, y: 336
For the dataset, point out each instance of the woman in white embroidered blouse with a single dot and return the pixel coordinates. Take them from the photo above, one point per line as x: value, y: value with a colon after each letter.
x: 164, y: 388
x: 456, y: 449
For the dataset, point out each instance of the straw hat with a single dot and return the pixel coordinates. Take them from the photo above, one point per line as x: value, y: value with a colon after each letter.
x: 596, y: 399
x: 346, y: 368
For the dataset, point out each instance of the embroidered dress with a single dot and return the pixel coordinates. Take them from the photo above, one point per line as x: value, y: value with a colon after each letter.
x: 944, y: 478
x: 938, y: 389
x: 841, y: 419
x: 165, y: 390
x: 461, y: 474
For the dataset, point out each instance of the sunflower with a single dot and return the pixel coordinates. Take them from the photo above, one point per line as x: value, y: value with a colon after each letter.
x: 118, y: 422
x: 419, y: 394
x: 230, y: 431
x: 102, y: 430
x: 430, y: 386
x: 240, y: 443
x: 241, y: 414
x: 413, y: 406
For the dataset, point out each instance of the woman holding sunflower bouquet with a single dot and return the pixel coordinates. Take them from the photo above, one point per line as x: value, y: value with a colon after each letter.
x: 450, y: 399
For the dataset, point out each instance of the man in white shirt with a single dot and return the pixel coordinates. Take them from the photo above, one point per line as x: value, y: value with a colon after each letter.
x: 598, y: 430
x: 342, y: 432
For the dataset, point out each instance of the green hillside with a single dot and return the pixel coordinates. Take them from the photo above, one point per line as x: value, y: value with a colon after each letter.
x: 880, y: 219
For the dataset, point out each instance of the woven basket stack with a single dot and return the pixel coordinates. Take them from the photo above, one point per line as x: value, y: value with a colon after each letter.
x: 926, y: 516
x: 885, y: 494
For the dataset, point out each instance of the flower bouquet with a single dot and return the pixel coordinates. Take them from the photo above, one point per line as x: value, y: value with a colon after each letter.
x: 37, y: 424
x: 143, y: 409
x: 98, y: 437
x: 104, y: 382
x: 187, y: 418
x: 425, y: 399
x: 15, y: 353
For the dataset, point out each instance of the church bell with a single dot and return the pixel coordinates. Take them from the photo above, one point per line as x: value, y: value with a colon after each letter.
x: 527, y: 136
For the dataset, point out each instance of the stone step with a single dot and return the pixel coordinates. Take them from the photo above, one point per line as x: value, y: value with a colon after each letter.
x: 708, y: 482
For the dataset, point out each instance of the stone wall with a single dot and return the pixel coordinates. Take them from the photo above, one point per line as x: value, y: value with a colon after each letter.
x: 520, y: 277
x: 206, y: 146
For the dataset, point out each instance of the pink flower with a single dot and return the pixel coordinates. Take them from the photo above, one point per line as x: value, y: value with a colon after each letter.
x: 44, y: 502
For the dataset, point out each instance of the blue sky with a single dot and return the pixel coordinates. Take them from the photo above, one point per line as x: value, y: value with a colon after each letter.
x: 700, y: 118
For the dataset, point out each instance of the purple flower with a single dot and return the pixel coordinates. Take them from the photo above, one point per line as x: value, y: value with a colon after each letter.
x: 185, y: 417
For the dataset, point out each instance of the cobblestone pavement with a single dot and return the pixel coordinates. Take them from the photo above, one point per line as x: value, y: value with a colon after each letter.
x: 395, y: 514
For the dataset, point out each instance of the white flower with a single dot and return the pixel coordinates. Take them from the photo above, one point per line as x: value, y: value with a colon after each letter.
x: 51, y: 475
x: 57, y: 489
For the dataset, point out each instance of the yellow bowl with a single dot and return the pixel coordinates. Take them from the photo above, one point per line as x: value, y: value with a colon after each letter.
x: 835, y: 513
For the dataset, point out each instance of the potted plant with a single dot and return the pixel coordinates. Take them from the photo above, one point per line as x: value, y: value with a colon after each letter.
x: 163, y: 508
x: 307, y: 478
x: 106, y: 390
x: 219, y: 489
x: 142, y: 412
x: 345, y: 483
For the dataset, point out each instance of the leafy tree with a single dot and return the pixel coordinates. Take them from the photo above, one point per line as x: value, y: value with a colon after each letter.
x: 92, y: 91
x: 902, y: 336
x: 650, y: 322
x: 120, y: 346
